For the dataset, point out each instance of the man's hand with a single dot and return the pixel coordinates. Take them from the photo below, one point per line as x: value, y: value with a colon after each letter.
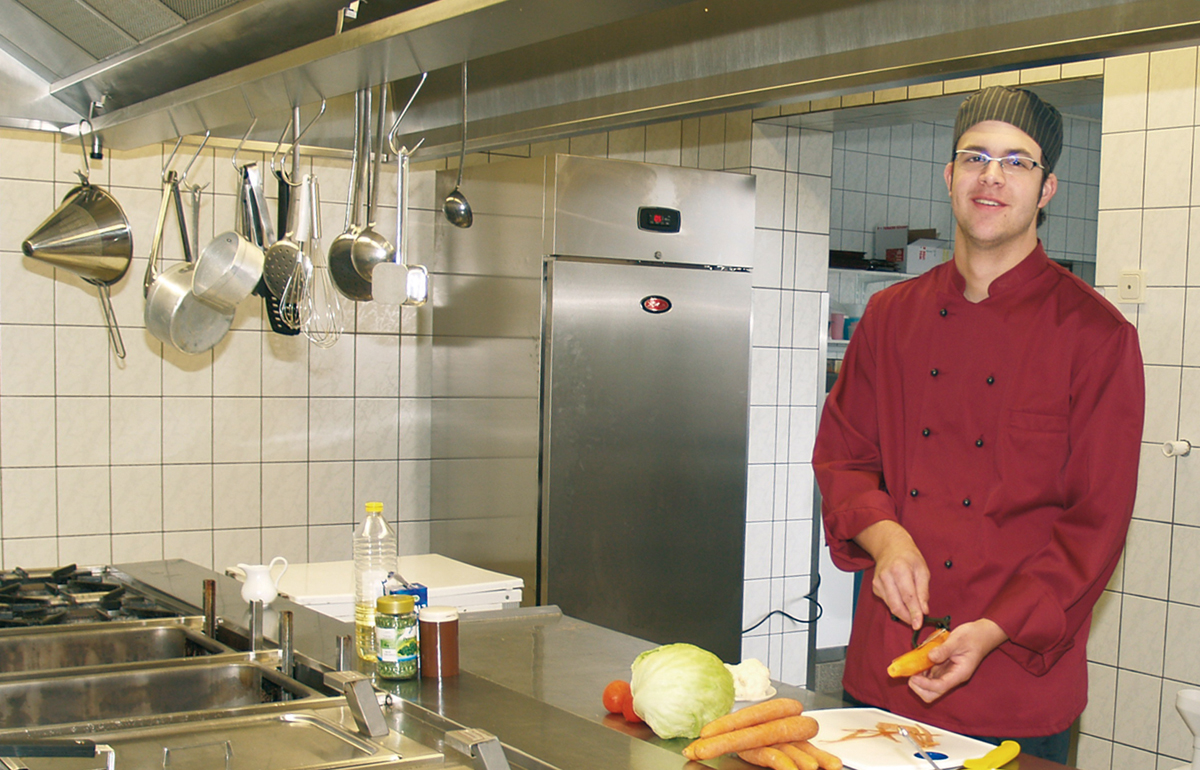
x: 957, y: 658
x: 901, y: 575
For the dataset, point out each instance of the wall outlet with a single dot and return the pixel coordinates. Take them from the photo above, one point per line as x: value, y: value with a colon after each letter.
x: 1131, y: 287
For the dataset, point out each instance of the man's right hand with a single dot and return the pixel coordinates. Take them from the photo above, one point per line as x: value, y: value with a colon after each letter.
x: 901, y: 575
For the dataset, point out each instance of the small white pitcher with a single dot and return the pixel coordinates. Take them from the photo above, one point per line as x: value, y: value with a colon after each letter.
x: 259, y: 585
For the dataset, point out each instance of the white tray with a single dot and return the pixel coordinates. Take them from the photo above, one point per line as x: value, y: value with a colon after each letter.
x: 881, y: 753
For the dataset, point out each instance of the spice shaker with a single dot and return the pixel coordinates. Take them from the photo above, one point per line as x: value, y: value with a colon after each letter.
x: 439, y: 641
x: 396, y: 636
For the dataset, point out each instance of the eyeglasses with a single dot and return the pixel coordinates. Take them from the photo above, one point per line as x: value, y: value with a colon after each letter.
x: 978, y: 160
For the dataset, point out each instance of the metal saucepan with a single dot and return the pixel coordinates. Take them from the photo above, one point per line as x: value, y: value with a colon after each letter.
x: 227, y: 271
x: 173, y: 313
x: 231, y: 265
x: 341, y: 260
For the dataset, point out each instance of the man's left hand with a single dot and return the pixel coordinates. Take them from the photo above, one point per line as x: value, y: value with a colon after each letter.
x: 957, y: 658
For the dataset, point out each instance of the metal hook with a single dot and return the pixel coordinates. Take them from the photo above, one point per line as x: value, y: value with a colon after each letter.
x: 87, y: 169
x: 282, y: 172
x: 276, y: 153
x: 171, y: 157
x: 192, y: 162
x: 242, y: 144
x: 403, y: 112
x: 253, y: 123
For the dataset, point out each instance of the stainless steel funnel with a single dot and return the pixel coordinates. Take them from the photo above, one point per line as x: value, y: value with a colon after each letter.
x: 89, y: 236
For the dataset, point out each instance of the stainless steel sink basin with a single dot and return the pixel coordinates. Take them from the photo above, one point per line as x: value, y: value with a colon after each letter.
x: 35, y: 649
x: 283, y: 738
x: 99, y: 693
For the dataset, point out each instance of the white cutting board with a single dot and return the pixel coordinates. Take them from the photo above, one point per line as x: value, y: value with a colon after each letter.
x: 881, y: 753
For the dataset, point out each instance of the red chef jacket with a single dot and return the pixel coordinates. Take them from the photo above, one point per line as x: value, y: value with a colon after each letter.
x: 1004, y: 436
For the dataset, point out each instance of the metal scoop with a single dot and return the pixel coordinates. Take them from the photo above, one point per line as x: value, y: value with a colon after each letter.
x: 458, y: 211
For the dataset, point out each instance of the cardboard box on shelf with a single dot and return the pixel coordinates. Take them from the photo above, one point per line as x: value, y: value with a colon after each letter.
x: 890, y: 243
x: 925, y: 254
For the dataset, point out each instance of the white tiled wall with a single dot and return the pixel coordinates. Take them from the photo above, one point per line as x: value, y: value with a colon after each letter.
x: 787, y: 383
x: 893, y: 175
x: 263, y: 446
x: 1144, y: 640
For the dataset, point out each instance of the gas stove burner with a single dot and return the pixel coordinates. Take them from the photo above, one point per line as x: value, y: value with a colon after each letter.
x: 72, y: 595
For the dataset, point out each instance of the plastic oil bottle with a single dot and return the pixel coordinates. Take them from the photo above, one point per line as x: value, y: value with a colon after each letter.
x: 374, y: 558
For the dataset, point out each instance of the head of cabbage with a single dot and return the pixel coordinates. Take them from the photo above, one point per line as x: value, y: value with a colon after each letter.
x: 679, y: 688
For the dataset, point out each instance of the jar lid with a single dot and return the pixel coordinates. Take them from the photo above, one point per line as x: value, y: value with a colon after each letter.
x: 435, y: 614
x: 395, y: 604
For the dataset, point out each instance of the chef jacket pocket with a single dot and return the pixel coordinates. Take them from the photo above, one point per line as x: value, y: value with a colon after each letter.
x: 1033, y: 454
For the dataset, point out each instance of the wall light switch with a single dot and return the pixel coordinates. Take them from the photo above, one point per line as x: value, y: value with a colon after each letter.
x: 1131, y: 287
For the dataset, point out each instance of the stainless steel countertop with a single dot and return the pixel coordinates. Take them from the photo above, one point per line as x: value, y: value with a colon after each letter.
x: 531, y: 676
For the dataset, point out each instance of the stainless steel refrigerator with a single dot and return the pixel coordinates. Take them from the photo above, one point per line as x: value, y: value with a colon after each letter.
x: 639, y: 493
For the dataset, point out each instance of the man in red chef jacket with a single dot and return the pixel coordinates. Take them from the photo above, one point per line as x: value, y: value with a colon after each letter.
x: 978, y: 454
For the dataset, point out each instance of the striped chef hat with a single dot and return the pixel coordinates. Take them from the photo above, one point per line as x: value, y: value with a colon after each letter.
x: 1018, y: 107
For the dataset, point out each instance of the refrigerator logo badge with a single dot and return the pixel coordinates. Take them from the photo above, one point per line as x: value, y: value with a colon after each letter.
x: 656, y: 304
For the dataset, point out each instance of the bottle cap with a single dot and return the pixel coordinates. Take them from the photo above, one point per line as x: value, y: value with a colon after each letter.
x: 435, y: 614
x: 374, y: 507
x: 396, y: 604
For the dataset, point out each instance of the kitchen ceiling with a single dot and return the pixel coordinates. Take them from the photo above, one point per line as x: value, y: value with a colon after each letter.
x: 539, y: 69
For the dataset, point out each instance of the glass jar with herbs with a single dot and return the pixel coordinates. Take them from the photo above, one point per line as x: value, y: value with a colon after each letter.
x: 396, y: 636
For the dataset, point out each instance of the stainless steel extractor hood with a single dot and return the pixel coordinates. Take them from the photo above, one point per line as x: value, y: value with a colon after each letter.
x: 540, y: 69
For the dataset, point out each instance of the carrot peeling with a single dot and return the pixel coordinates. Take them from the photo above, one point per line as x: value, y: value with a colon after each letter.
x: 915, y: 661
x: 777, y: 708
x: 769, y: 757
x: 785, y: 730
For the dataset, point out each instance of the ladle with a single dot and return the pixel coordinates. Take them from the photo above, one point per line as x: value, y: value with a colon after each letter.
x: 370, y: 246
x: 458, y: 211
x: 341, y: 249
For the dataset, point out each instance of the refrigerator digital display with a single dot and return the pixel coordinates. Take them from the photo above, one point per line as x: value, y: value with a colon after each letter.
x: 658, y: 219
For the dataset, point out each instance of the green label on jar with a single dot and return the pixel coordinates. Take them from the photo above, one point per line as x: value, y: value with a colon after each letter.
x: 396, y: 646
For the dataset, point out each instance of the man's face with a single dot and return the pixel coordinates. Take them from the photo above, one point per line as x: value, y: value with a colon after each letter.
x: 995, y: 208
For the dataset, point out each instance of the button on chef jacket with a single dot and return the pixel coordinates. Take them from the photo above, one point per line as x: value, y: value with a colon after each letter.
x: 1004, y: 436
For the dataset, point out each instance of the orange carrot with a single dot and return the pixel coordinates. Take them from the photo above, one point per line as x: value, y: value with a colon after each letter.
x: 915, y: 661
x: 785, y: 730
x: 776, y: 708
x: 825, y: 760
x: 769, y: 757
x: 803, y: 760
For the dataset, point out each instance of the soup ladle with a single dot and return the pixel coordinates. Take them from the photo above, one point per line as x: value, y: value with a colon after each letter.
x: 458, y: 210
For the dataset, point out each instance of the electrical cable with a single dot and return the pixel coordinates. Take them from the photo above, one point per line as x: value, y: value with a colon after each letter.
x: 810, y: 596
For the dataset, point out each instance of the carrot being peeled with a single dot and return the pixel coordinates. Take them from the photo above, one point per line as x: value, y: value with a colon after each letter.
x: 915, y: 661
x: 803, y: 760
x: 776, y: 708
x: 769, y: 757
x: 785, y: 730
x: 825, y: 760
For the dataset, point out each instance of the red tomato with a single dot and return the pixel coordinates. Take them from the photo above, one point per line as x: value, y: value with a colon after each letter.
x: 628, y: 712
x: 615, y: 695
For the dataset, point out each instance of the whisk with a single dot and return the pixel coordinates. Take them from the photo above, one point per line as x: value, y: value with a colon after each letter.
x: 323, y: 315
x: 293, y: 299
x: 319, y: 309
x: 293, y: 302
